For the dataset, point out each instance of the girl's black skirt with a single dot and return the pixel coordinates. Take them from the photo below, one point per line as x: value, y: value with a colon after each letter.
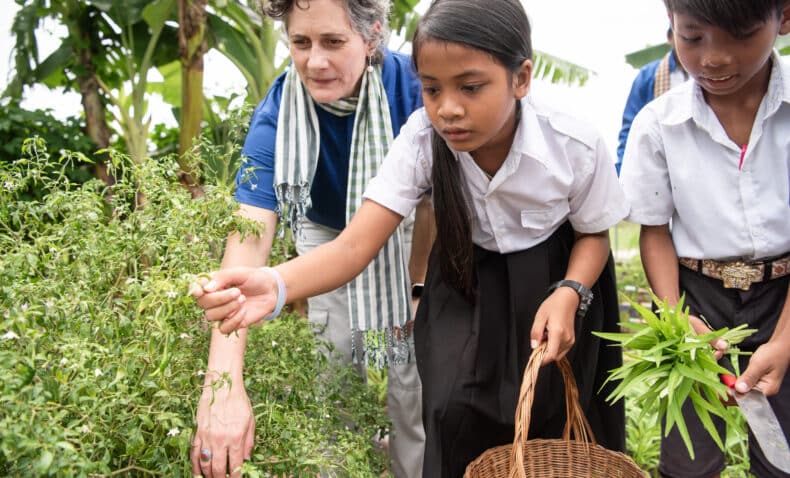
x: 471, y: 357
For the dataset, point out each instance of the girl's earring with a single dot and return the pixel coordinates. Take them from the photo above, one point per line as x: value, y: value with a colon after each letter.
x: 370, y: 64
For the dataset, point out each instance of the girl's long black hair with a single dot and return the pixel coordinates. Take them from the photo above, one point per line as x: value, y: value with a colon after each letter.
x: 501, y: 29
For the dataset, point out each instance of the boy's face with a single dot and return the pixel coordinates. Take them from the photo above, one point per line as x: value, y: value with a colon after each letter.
x: 723, y: 64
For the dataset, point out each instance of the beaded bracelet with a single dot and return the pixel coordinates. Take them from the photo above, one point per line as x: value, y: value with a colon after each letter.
x: 280, y: 293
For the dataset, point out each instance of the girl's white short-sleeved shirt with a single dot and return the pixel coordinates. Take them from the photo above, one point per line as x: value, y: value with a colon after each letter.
x: 680, y: 167
x: 558, y: 169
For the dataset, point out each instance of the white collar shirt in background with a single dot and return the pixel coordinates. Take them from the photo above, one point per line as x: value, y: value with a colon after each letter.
x: 558, y: 169
x: 680, y: 165
x: 677, y: 77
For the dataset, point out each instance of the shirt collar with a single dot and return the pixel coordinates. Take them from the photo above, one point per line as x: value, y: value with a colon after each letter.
x: 529, y: 140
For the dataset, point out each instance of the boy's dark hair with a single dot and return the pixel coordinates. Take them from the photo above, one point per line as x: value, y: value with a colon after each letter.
x: 501, y: 29
x: 734, y: 16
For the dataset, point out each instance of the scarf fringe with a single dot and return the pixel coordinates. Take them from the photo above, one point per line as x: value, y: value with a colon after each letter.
x: 293, y: 201
x: 380, y: 348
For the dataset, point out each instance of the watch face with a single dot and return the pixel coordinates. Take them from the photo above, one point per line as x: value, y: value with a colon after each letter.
x: 416, y: 291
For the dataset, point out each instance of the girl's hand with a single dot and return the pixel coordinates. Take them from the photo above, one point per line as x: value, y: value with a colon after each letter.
x: 237, y: 296
x: 556, y: 317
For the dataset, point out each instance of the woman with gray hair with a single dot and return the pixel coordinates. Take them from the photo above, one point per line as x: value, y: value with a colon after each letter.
x: 313, y: 144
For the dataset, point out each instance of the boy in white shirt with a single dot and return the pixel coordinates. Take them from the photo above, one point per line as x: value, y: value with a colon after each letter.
x: 713, y: 158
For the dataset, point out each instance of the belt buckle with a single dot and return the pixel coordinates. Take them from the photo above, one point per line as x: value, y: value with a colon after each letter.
x: 739, y: 275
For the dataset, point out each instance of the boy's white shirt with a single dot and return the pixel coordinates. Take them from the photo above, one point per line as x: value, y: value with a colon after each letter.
x: 558, y: 168
x: 680, y: 165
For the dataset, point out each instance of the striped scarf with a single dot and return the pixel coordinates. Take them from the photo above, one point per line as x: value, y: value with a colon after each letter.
x: 377, y: 298
x: 662, y: 82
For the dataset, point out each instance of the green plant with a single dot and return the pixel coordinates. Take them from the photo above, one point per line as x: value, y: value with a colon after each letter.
x: 665, y: 352
x: 643, y: 431
x: 102, y: 352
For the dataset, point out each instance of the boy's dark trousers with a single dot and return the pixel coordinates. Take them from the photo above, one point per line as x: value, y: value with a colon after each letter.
x: 759, y: 307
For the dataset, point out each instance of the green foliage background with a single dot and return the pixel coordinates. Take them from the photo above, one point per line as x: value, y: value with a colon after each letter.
x: 102, y: 352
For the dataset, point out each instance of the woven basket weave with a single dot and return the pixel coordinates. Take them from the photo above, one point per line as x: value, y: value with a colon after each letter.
x: 554, y: 458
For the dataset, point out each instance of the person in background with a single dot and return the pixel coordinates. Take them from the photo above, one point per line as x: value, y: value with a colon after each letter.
x: 652, y: 81
x: 313, y: 144
x: 523, y: 196
x: 712, y: 158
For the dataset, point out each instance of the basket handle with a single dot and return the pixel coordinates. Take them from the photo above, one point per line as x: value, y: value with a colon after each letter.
x: 576, y: 421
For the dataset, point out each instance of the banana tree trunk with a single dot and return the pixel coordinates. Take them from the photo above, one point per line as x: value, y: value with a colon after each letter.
x: 192, y: 46
x: 92, y: 102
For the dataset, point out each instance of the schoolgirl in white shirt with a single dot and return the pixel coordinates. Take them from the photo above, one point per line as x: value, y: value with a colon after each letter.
x: 524, y: 197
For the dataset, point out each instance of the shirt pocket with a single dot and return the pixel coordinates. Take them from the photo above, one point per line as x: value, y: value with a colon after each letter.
x: 536, y: 222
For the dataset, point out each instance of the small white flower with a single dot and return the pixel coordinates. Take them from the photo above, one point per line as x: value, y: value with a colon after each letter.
x: 25, y: 306
x: 85, y: 429
x: 274, y: 344
x: 172, y: 294
x: 10, y: 335
x: 98, y: 372
x: 64, y: 361
x: 49, y: 303
x: 173, y: 432
x: 184, y: 336
x: 200, y: 373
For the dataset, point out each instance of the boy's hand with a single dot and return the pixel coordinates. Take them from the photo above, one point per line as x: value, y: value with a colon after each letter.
x: 556, y: 315
x: 720, y: 346
x: 766, y: 370
x: 237, y: 296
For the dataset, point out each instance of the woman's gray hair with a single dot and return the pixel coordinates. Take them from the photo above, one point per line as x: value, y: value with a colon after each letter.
x: 363, y: 15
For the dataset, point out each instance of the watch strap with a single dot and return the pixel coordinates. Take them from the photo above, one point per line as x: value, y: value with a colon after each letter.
x: 585, y: 294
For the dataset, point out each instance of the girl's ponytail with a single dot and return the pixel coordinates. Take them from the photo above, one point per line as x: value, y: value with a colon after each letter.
x: 453, y: 221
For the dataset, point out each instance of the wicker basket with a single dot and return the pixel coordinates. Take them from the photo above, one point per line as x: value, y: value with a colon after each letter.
x: 555, y: 458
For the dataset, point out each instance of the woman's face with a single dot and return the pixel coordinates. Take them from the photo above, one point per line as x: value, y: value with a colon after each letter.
x: 328, y: 54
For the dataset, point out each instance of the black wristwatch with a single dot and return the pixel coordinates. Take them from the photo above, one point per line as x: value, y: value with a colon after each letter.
x: 585, y: 294
x: 416, y: 290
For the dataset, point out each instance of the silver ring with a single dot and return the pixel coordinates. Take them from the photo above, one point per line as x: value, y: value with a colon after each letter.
x: 205, y: 455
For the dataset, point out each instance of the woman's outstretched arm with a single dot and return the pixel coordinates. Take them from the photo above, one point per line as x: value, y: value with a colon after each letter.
x: 242, y: 296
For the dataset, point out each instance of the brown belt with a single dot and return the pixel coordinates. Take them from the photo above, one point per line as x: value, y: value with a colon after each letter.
x: 739, y: 274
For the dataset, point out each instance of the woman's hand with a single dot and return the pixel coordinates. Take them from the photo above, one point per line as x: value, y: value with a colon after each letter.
x: 555, y: 320
x: 226, y: 429
x: 237, y: 296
